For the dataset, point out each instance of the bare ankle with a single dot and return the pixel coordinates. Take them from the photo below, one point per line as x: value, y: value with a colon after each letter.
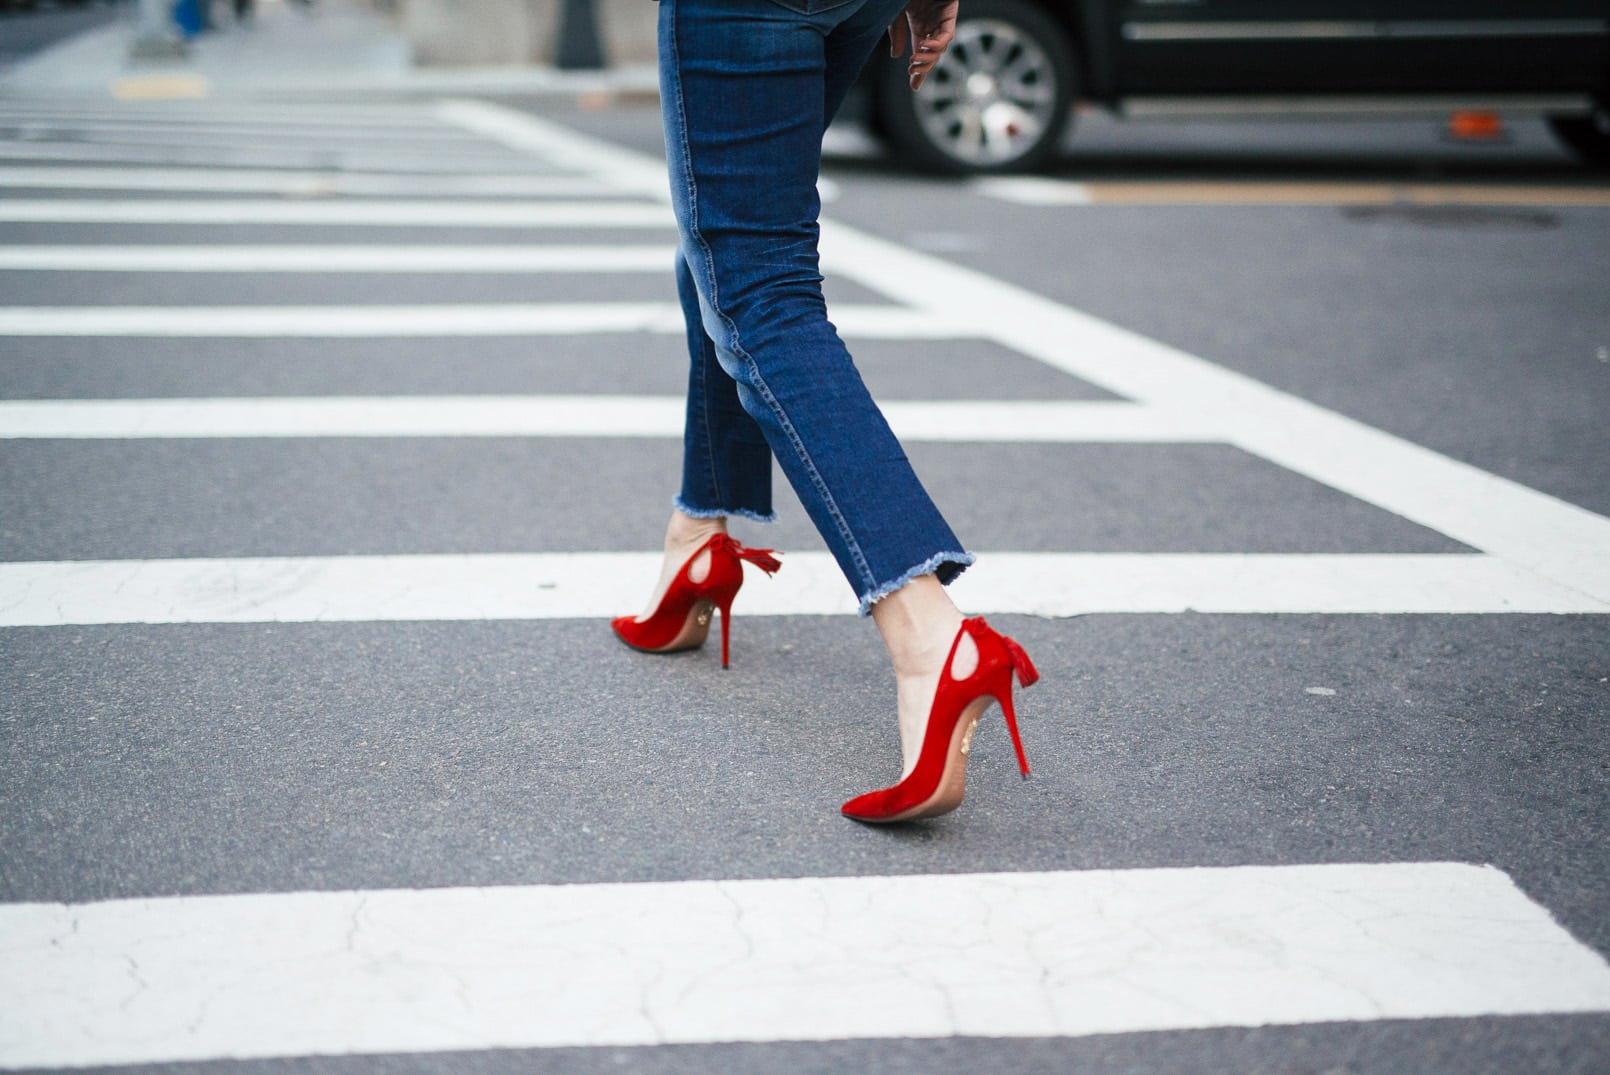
x: 684, y: 533
x: 918, y: 623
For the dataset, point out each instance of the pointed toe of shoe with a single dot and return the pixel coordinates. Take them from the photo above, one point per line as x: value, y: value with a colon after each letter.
x: 873, y: 806
x: 627, y: 629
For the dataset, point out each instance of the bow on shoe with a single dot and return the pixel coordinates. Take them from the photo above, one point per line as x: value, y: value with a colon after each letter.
x: 1027, y: 674
x: 761, y: 558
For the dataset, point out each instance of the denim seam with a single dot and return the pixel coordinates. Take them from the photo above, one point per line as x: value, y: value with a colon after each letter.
x: 798, y: 445
x: 711, y: 470
x: 692, y: 189
x: 764, y: 390
x: 709, y: 434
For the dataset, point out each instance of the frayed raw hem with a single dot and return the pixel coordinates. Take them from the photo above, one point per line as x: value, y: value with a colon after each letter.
x: 945, y: 566
x: 722, y: 513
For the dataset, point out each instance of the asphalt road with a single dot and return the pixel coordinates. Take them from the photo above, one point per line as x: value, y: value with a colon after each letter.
x: 205, y: 758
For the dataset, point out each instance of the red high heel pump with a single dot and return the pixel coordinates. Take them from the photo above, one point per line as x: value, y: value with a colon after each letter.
x: 682, y: 620
x: 936, y: 784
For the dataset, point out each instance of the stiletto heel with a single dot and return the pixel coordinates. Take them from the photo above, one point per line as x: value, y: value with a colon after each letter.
x: 682, y: 618
x: 1010, y: 714
x: 936, y: 784
x: 1027, y: 676
x: 726, y: 625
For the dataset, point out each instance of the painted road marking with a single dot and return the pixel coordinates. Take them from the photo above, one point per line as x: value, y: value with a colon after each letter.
x: 1541, y: 533
x: 801, y: 959
x: 160, y: 87
x: 301, y: 258
x: 199, y: 131
x: 561, y: 147
x: 1063, y: 421
x: 1528, y: 529
x: 360, y: 159
x: 345, y: 213
x: 1039, y: 191
x: 245, y: 113
x: 589, y: 585
x: 499, y: 319
x: 1531, y: 531
x: 301, y: 184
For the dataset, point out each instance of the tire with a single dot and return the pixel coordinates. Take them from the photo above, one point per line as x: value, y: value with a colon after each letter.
x: 998, y: 101
x: 1587, y: 136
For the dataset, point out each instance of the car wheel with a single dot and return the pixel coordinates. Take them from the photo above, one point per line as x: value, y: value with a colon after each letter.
x: 1587, y: 136
x: 998, y: 101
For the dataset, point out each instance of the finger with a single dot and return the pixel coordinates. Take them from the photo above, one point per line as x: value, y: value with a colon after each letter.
x: 899, y: 37
x: 936, y: 42
x: 923, y: 60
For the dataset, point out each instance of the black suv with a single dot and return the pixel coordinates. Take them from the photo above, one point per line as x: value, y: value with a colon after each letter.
x: 1002, y: 97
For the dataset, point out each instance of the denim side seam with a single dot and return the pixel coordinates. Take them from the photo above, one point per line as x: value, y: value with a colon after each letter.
x: 930, y: 566
x: 704, y: 403
x: 714, y: 300
x: 798, y: 444
x: 712, y: 472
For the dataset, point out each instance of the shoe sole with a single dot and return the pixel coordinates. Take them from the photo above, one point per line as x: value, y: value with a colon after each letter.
x: 695, y: 629
x: 953, y: 781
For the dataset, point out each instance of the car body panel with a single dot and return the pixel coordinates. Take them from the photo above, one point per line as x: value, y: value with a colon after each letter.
x: 1248, y: 47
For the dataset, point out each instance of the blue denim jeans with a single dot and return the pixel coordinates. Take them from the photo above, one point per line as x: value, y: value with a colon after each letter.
x: 747, y: 89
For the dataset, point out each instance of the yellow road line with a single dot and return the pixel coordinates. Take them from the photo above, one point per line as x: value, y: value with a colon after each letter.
x: 166, y: 87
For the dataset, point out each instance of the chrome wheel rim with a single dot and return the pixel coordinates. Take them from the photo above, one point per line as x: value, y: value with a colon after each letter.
x: 992, y: 97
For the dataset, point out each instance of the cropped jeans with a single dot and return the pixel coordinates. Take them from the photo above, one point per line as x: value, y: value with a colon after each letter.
x: 747, y: 89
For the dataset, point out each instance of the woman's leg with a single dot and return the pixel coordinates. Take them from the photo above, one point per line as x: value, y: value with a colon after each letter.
x: 744, y: 88
x: 726, y: 463
x: 748, y: 87
x: 918, y: 621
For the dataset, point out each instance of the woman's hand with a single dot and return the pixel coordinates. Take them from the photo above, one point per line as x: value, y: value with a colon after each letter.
x: 928, y: 26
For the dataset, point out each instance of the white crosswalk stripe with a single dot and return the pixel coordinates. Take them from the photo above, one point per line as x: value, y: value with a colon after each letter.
x: 502, y: 319
x: 194, y: 132
x: 581, y: 585
x: 801, y: 959
x: 241, y: 116
x: 410, y: 159
x: 301, y: 258
x: 1001, y: 955
x: 301, y: 184
x: 413, y: 214
x: 561, y: 416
